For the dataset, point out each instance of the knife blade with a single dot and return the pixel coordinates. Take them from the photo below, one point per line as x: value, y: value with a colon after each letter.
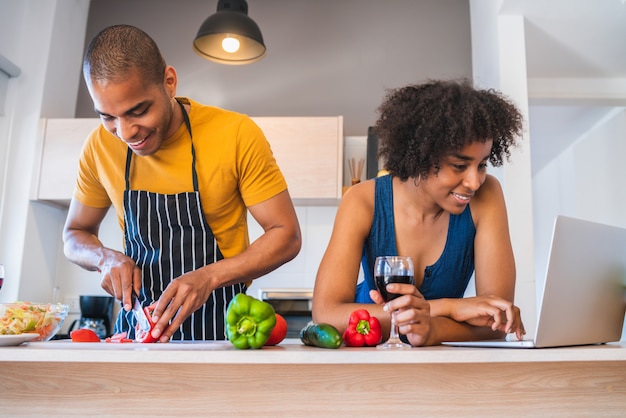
x: 140, y: 315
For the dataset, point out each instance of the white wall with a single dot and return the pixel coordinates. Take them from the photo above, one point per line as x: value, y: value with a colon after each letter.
x: 316, y: 223
x: 44, y: 39
x: 499, y: 62
x: 584, y: 181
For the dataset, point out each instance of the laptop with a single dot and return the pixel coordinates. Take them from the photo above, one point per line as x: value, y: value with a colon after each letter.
x: 584, y: 295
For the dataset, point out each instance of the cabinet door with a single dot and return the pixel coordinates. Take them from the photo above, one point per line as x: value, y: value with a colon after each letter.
x: 309, y: 151
x: 62, y: 143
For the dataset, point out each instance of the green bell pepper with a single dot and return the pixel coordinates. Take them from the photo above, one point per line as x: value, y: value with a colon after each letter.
x: 249, y: 321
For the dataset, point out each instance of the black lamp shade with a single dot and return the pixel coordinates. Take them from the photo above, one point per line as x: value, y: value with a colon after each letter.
x: 235, y: 24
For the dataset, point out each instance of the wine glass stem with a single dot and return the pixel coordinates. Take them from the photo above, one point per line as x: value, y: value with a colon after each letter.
x: 393, y: 334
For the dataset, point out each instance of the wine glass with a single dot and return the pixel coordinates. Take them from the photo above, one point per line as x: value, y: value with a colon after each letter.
x: 1, y: 275
x: 392, y: 269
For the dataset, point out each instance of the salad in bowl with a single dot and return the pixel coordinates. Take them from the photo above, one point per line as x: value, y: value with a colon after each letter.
x: 44, y: 319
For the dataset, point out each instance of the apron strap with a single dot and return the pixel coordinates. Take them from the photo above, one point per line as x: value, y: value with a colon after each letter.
x: 193, y: 150
x: 129, y: 156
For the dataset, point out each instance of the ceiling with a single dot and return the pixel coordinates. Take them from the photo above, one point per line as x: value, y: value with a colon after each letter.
x: 573, y: 38
x: 580, y: 42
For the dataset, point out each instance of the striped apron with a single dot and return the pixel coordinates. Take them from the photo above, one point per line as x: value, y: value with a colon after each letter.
x: 167, y: 236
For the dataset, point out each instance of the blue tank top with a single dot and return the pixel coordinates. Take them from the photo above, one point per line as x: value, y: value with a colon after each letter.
x: 447, y: 278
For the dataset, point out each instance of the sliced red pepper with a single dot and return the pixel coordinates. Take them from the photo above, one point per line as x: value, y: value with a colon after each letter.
x: 363, y: 330
x: 84, y: 335
x: 118, y: 338
x: 143, y: 336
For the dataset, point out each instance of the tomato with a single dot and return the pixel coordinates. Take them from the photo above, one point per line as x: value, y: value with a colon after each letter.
x: 279, y: 332
x: 84, y: 335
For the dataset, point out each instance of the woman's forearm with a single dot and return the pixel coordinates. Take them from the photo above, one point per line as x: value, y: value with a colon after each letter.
x: 440, y: 307
x: 446, y: 329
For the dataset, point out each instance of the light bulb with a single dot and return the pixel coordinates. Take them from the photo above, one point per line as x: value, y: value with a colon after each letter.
x: 230, y: 44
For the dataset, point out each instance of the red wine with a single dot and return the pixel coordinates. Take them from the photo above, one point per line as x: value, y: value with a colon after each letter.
x: 1, y: 281
x: 383, y: 281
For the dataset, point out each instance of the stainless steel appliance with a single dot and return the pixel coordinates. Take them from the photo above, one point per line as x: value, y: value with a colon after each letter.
x: 293, y: 304
x: 96, y: 314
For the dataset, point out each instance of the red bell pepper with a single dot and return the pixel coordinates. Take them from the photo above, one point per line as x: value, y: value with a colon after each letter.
x: 143, y: 336
x: 363, y: 330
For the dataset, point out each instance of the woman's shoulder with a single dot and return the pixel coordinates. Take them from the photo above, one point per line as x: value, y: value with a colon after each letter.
x: 356, y: 211
x: 359, y: 197
x: 488, y: 198
x: 363, y: 190
x: 490, y: 186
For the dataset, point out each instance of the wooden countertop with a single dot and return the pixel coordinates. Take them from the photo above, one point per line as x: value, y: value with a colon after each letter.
x: 292, y: 351
x: 61, y: 378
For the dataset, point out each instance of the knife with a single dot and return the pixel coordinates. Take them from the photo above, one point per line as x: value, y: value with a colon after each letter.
x: 140, y: 315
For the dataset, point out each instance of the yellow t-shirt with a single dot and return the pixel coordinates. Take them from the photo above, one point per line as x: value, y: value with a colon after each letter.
x: 234, y: 162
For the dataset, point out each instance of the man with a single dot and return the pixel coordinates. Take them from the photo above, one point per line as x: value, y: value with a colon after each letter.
x: 181, y: 177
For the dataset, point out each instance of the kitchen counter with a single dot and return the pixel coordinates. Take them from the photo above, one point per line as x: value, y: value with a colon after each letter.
x: 214, y: 379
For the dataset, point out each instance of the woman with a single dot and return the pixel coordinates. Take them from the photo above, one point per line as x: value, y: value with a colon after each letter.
x: 438, y: 205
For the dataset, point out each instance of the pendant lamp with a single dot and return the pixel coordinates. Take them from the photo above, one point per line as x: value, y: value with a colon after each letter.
x: 230, y: 36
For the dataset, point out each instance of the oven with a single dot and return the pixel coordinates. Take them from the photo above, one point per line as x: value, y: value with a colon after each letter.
x: 294, y: 305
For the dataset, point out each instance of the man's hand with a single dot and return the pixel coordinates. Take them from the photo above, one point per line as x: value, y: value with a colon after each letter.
x: 183, y: 296
x: 120, y: 276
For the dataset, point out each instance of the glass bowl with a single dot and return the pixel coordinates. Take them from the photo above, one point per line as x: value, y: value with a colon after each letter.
x: 44, y: 319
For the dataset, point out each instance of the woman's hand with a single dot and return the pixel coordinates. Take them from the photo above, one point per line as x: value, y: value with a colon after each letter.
x: 490, y: 311
x: 411, y: 311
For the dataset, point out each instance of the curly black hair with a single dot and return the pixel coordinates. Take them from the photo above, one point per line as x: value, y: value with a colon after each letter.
x: 421, y: 124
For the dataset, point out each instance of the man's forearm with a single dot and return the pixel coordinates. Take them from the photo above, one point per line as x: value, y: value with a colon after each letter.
x: 83, y: 249
x: 271, y: 250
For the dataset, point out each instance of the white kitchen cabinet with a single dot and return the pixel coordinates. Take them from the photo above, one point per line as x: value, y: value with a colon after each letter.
x: 60, y: 145
x: 309, y: 151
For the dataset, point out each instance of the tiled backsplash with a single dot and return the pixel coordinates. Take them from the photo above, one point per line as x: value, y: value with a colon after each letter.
x: 316, y: 223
